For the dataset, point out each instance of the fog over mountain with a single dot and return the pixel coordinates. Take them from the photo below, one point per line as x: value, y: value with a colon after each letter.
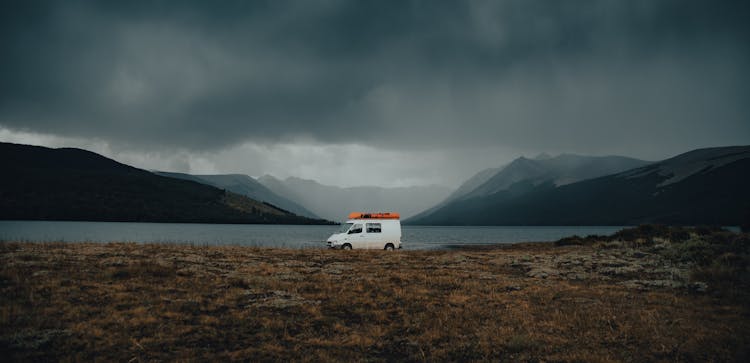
x: 247, y: 186
x: 335, y: 203
x: 419, y: 92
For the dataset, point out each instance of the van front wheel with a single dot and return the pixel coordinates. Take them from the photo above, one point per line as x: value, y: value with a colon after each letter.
x: 389, y: 247
x: 346, y: 246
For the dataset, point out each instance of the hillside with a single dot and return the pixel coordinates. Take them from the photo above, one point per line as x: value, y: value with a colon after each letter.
x: 247, y: 186
x: 543, y: 169
x: 463, y: 189
x: 334, y: 203
x: 707, y: 186
x: 74, y: 184
x: 474, y: 182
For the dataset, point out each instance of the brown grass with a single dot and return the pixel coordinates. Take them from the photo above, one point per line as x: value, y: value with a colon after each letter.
x: 133, y: 302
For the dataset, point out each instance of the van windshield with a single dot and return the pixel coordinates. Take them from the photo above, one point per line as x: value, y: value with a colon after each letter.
x: 344, y: 227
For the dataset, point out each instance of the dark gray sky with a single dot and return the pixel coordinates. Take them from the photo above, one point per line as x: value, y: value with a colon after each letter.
x: 422, y: 91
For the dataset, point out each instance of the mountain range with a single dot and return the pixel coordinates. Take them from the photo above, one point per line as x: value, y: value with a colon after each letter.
x: 560, y: 170
x: 705, y: 186
x: 334, y: 203
x: 247, y: 186
x: 41, y: 183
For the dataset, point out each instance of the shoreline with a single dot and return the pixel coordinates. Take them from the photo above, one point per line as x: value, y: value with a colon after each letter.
x: 273, y: 235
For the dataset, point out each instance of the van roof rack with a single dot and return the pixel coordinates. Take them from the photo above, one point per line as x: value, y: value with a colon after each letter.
x: 378, y: 215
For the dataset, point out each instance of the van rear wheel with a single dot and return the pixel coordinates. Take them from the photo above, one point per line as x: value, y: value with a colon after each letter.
x: 346, y: 246
x: 389, y: 247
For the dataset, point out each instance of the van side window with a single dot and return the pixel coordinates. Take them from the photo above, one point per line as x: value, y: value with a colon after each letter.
x: 357, y: 228
x: 373, y: 228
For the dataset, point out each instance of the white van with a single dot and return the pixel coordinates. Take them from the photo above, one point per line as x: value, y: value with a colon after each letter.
x: 380, y: 231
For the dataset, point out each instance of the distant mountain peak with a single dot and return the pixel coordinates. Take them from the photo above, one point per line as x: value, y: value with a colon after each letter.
x: 523, y: 162
x: 543, y: 156
x: 268, y: 177
x: 523, y: 173
x: 334, y: 202
x: 247, y: 186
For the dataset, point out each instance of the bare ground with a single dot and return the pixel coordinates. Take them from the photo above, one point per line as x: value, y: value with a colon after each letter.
x: 600, y: 302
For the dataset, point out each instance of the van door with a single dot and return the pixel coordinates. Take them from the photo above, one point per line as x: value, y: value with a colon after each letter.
x: 374, y: 235
x: 356, y: 236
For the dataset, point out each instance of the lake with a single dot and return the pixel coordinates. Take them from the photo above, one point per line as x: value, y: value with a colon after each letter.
x: 413, y: 237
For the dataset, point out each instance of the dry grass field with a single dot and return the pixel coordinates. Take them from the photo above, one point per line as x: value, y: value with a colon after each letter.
x: 635, y: 299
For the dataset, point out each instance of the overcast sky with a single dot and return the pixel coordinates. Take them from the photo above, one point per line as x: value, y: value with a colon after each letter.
x: 379, y: 92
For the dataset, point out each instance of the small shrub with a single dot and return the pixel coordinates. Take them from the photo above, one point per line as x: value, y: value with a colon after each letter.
x: 679, y: 235
x: 697, y: 251
x: 238, y: 282
x: 520, y: 343
x: 642, y: 232
x: 190, y: 307
x: 707, y: 230
x: 140, y: 269
x: 574, y: 240
x: 649, y: 232
x: 158, y: 271
x: 118, y: 273
x: 727, y: 275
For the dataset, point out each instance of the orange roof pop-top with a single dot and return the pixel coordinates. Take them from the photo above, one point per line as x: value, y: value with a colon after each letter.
x: 379, y: 215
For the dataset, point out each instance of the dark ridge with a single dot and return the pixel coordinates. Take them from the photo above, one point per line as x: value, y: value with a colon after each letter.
x: 40, y: 183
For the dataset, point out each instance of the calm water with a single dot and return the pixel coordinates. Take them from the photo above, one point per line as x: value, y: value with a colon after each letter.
x: 413, y: 237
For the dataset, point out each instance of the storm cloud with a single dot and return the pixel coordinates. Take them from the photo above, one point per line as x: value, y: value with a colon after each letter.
x: 648, y: 78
